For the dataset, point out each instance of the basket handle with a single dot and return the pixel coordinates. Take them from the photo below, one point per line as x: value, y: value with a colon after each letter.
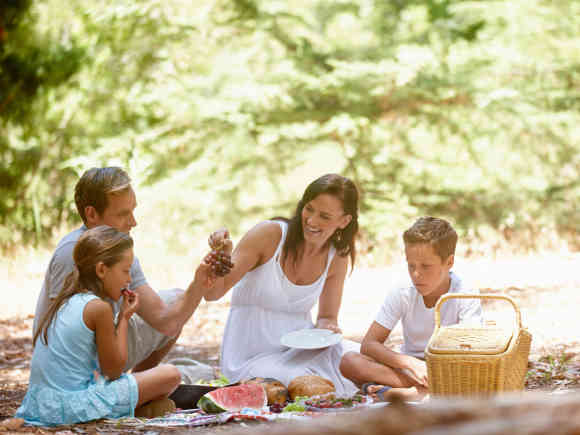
x: 474, y: 296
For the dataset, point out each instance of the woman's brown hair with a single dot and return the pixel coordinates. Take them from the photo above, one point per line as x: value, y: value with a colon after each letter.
x: 344, y: 190
x: 102, y: 244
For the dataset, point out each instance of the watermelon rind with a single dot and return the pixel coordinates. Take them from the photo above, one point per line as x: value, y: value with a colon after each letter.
x: 234, y: 398
x: 209, y: 405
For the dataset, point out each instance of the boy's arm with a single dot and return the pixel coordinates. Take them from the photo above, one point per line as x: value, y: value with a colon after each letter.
x: 373, y: 346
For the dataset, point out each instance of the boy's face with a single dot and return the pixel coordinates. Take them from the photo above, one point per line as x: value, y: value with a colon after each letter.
x: 429, y: 273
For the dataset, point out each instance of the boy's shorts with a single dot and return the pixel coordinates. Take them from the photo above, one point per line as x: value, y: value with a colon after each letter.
x: 142, y: 338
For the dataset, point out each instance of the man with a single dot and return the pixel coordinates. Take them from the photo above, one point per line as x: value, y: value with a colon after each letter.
x: 104, y: 196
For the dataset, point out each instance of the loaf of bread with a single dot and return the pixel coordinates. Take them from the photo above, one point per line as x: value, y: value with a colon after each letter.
x: 309, y: 385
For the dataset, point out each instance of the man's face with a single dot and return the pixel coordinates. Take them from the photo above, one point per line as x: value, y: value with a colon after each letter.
x: 119, y: 212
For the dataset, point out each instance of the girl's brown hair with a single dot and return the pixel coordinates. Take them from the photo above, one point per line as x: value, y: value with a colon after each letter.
x: 102, y: 244
x: 344, y: 190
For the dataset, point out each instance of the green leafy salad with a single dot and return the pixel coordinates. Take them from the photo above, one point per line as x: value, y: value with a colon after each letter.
x: 222, y: 381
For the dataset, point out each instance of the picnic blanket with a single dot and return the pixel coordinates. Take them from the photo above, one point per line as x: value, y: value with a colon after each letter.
x: 200, y: 418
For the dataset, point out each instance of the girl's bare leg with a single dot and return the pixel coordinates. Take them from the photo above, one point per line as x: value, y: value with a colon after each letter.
x: 156, y: 383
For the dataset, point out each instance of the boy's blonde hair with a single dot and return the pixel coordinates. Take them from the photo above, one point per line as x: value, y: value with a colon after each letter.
x: 435, y: 231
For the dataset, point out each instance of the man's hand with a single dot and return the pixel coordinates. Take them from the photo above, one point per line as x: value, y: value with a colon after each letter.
x: 204, y: 275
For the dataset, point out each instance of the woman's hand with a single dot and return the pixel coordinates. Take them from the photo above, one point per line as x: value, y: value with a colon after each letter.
x: 220, y: 241
x: 328, y: 324
x: 130, y: 303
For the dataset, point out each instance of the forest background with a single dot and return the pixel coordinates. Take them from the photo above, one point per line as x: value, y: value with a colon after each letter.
x: 222, y: 112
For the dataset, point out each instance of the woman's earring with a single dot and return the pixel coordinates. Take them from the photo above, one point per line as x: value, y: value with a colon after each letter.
x: 338, y: 235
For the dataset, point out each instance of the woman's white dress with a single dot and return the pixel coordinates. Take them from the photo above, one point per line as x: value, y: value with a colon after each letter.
x: 265, y: 306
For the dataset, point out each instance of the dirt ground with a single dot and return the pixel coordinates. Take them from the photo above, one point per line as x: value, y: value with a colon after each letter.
x: 545, y: 287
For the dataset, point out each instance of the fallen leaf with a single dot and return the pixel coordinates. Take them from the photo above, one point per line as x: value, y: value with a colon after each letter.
x: 12, y: 424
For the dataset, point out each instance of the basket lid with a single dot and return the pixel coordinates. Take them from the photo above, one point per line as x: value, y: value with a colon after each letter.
x: 470, y: 340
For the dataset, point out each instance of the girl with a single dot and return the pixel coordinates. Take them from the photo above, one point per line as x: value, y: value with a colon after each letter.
x: 76, y: 371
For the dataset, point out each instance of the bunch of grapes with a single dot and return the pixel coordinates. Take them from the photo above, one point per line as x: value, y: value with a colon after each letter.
x: 277, y: 408
x: 220, y: 262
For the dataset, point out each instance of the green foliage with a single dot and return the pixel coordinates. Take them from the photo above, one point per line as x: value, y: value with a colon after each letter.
x: 452, y: 108
x: 33, y: 65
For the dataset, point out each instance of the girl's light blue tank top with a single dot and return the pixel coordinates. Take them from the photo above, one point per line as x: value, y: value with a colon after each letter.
x: 68, y: 361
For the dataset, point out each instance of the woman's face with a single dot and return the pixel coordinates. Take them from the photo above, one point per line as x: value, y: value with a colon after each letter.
x: 321, y: 217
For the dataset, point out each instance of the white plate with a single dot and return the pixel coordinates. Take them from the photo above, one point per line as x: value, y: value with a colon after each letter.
x: 310, y: 338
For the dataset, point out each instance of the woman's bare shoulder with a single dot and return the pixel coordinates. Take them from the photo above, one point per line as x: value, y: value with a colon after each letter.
x: 262, y: 241
x: 267, y: 231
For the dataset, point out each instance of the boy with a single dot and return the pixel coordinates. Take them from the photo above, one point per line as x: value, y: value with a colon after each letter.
x: 430, y: 252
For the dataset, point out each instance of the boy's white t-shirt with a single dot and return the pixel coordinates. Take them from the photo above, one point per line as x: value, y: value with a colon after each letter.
x: 406, y: 304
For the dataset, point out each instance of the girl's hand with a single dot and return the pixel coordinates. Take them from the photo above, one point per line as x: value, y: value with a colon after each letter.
x: 220, y: 241
x: 130, y: 303
x: 328, y: 324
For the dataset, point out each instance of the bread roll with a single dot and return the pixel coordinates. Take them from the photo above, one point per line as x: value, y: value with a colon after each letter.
x: 309, y: 385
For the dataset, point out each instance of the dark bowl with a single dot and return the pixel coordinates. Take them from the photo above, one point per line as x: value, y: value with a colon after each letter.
x: 186, y: 396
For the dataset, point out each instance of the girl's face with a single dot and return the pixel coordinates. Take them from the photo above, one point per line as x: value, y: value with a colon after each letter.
x: 321, y: 217
x: 117, y: 276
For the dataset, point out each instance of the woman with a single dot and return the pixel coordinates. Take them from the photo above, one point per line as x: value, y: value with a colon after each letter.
x: 281, y: 269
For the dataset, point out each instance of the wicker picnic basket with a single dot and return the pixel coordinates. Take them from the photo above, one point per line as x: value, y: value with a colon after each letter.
x: 477, y: 360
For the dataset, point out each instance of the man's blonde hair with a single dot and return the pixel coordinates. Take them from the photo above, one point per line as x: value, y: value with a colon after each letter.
x: 435, y: 231
x: 96, y: 184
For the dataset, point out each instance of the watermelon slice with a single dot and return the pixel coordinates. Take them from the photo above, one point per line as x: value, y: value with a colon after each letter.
x: 234, y: 398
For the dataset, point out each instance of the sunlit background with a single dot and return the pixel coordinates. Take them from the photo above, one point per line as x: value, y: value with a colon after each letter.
x: 223, y: 112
